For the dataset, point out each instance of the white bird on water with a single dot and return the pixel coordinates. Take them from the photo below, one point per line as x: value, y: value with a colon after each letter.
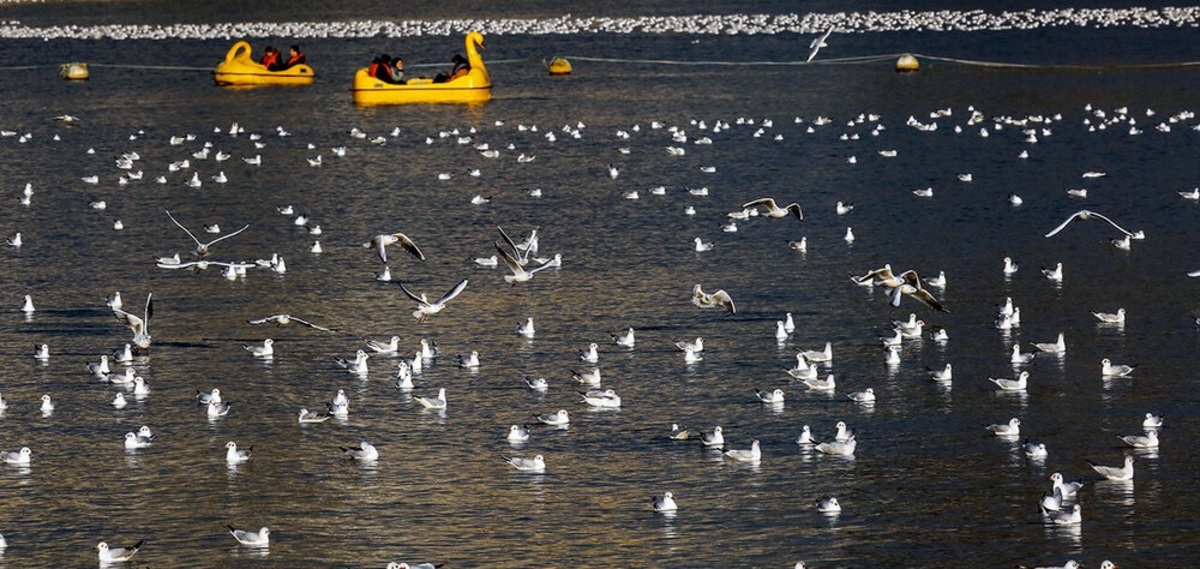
x: 365, y: 452
x: 1115, y: 473
x: 664, y: 503
x: 1057, y: 347
x: 438, y: 402
x: 535, y: 464
x: 235, y: 456
x: 260, y: 538
x: 117, y: 554
x: 751, y: 454
x: 1108, y: 369
x: 1010, y: 429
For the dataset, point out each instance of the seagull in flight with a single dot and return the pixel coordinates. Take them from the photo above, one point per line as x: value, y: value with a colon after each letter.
x: 911, y: 286
x: 719, y: 298
x: 282, y: 319
x: 519, y: 273
x: 425, y: 308
x: 1085, y: 214
x: 139, y: 326
x: 773, y: 209
x: 202, y: 248
x: 817, y: 44
x: 381, y: 241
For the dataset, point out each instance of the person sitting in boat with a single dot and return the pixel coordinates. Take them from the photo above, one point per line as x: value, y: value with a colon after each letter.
x: 270, y: 59
x: 461, y: 68
x: 381, y: 68
x: 295, y: 57
x: 397, y: 72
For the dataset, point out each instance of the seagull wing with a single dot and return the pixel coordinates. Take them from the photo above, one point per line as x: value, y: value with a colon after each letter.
x: 513, y: 264
x: 721, y: 297
x: 458, y: 288
x: 409, y: 245
x: 1073, y: 217
x: 1110, y: 222
x: 185, y: 230
x: 924, y: 296
x: 410, y: 294
x: 769, y: 203
x: 132, y: 322
x: 310, y: 324
x: 224, y: 237
x: 265, y: 320
x: 516, y: 254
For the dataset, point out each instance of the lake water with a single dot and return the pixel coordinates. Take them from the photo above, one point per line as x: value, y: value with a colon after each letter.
x: 928, y: 485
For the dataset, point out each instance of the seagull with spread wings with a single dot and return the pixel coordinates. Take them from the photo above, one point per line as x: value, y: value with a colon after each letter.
x: 139, y: 325
x: 202, y: 248
x: 1085, y: 214
x: 425, y: 308
x: 817, y: 44
x: 282, y: 319
x: 381, y: 241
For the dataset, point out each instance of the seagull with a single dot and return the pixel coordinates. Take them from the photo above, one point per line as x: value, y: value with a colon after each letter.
x: 912, y: 287
x: 604, y: 399
x: 139, y: 326
x: 624, y: 339
x: 519, y: 273
x: 218, y: 409
x: 1107, y: 369
x: 718, y: 298
x: 282, y: 319
x: 828, y: 505
x: 1055, y: 274
x: 202, y: 248
x: 390, y: 347
x: 235, y: 456
x: 260, y: 538
x: 535, y: 464
x: 827, y: 384
x: 307, y: 416
x: 1070, y: 564
x: 1114, y: 473
x: 945, y: 374
x: 381, y: 241
x: 209, y: 397
x: 1057, y: 347
x: 1148, y: 440
x: 426, y: 308
x: 682, y: 433
x: 1111, y: 318
x: 47, y: 405
x: 1018, y: 357
x: 817, y: 44
x: 438, y: 402
x: 843, y: 209
x: 365, y: 452
x: 1152, y: 421
x: 1065, y: 489
x: 752, y: 454
x: 865, y: 396
x: 266, y: 350
x: 1034, y: 450
x: 664, y: 503
x: 715, y: 439
x: 775, y: 396
x: 133, y: 442
x: 1005, y: 384
x: 19, y: 458
x: 1085, y: 214
x: 1010, y: 429
x: 517, y: 434
x: 1072, y: 517
x: 557, y: 419
x: 357, y: 365
x: 773, y: 210
x: 825, y: 355
x: 115, y: 555
x: 1009, y: 266
x: 839, y: 448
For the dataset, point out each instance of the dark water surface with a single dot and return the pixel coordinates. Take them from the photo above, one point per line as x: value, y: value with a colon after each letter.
x: 928, y: 485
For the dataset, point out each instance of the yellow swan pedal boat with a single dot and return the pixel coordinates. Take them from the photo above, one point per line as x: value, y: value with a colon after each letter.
x: 239, y: 69
x: 474, y: 87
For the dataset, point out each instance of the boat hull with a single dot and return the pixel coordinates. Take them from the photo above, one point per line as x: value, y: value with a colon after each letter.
x: 239, y: 69
x: 475, y: 87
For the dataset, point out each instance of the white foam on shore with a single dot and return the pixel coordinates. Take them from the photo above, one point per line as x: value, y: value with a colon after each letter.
x: 733, y: 24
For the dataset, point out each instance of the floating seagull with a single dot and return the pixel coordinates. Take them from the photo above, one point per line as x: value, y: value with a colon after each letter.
x: 1108, y: 369
x: 1148, y: 440
x: 714, y: 439
x: 380, y: 243
x: 357, y: 365
x: 117, y: 554
x: 282, y: 319
x: 1084, y: 214
x: 1057, y: 347
x: 1065, y: 518
x: 425, y: 308
x: 390, y: 347
x: 718, y: 298
x: 828, y: 505
x: 132, y: 442
x: 307, y: 416
x: 1065, y: 489
x: 664, y: 503
x: 202, y: 248
x: 752, y: 454
x: 1110, y: 317
x: 1010, y: 429
x: 839, y: 448
x: 1019, y: 357
x: 1152, y: 421
x: 535, y: 464
x: 776, y: 396
x: 517, y: 434
x: 557, y: 419
x: 18, y: 458
x: 260, y: 538
x: 773, y: 210
x: 1034, y: 450
x: 218, y: 409
x: 817, y: 44
x: 1055, y: 274
x: 1009, y: 266
x: 365, y: 451
x: 266, y: 350
x: 945, y: 374
x: 865, y: 396
x: 438, y: 402
x: 602, y: 398
x: 139, y: 326
x: 625, y: 339
x: 1006, y: 384
x: 1114, y: 473
x: 235, y: 456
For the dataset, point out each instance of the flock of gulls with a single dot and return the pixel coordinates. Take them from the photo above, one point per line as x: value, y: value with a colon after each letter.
x: 405, y: 357
x: 726, y: 24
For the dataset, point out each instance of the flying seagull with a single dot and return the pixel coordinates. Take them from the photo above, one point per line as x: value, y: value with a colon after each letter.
x: 202, y: 248
x: 817, y: 44
x: 1085, y: 214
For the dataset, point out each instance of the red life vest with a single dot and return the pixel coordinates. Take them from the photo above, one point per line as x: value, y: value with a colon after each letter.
x: 270, y: 60
x: 380, y: 70
x: 297, y: 60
